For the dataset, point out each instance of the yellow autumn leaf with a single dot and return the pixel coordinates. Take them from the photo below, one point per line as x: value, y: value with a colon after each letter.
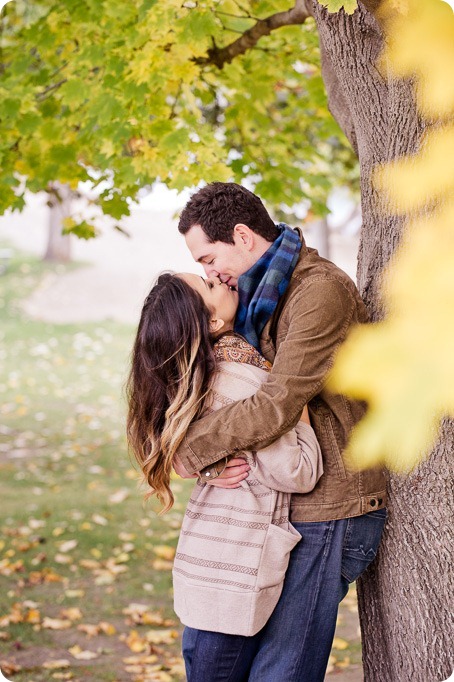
x: 56, y: 664
x: 107, y: 628
x: 135, y: 642
x: 68, y: 545
x: 56, y: 623
x: 89, y: 629
x: 339, y: 643
x: 9, y: 668
x: 412, y: 182
x: 161, y: 636
x: 74, y: 594
x: 100, y: 520
x: 81, y: 654
x: 164, y: 552
x: 72, y: 613
x: 344, y: 663
x: 62, y: 559
x: 161, y: 565
x: 33, y: 616
x: 145, y: 659
x: 119, y: 496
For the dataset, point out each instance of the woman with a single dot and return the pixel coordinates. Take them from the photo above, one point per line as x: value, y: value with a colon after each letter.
x: 234, y: 545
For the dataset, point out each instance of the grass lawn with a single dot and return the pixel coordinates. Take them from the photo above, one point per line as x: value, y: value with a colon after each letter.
x: 85, y: 566
x: 77, y: 545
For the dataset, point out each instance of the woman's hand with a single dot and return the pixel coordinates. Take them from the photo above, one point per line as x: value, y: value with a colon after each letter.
x: 180, y: 469
x: 236, y: 470
x: 305, y: 416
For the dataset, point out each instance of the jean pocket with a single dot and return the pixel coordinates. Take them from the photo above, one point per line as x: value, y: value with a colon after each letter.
x: 362, y: 538
x: 275, y: 555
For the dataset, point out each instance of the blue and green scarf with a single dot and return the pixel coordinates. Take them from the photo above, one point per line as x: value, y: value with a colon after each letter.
x: 260, y: 288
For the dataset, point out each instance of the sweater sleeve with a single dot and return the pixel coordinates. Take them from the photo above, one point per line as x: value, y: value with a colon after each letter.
x: 292, y: 464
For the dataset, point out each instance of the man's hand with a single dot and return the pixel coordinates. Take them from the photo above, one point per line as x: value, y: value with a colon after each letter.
x: 236, y: 470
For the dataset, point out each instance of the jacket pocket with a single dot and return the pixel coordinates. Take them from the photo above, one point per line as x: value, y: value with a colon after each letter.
x: 275, y: 555
x: 333, y: 445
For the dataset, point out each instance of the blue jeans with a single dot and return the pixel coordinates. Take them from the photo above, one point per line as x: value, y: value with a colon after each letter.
x: 296, y: 642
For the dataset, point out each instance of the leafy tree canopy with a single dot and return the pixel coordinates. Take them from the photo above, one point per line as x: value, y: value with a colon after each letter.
x: 134, y: 92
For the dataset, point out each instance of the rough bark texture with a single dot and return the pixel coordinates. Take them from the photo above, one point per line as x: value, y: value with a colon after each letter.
x: 58, y: 247
x: 406, y: 596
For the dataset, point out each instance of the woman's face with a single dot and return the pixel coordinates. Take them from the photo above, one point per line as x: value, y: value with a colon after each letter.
x: 218, y: 297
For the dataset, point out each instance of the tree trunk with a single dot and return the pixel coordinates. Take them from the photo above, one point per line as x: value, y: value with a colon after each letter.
x: 320, y: 237
x: 58, y: 244
x: 405, y: 597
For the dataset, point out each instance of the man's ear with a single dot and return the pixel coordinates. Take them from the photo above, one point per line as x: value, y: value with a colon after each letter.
x: 244, y: 235
x: 216, y: 325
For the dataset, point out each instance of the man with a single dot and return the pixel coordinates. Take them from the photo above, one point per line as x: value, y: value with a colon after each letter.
x: 297, y: 308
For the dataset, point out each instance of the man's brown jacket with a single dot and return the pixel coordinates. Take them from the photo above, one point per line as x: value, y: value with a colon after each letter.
x: 312, y: 319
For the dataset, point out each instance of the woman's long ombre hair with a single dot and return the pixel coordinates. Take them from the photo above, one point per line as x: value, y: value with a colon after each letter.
x: 172, y: 367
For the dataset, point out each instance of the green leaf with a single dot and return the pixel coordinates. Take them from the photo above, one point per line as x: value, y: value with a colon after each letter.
x: 82, y: 229
x: 335, y: 5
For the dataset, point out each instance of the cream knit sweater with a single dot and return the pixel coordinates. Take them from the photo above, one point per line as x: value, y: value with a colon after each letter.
x: 234, y: 546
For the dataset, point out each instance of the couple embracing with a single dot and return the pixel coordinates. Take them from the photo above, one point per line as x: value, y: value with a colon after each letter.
x: 227, y: 386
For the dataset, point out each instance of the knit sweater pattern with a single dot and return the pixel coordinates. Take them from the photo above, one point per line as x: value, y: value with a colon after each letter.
x: 234, y: 546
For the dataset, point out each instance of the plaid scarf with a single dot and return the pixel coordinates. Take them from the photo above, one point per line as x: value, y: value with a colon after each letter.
x: 261, y: 287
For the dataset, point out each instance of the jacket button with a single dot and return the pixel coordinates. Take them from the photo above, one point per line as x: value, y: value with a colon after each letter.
x: 373, y: 503
x: 380, y: 500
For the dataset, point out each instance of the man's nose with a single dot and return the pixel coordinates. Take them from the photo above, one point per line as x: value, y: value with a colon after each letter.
x: 210, y: 271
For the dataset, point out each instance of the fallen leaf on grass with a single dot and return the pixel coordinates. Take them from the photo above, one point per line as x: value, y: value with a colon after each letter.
x: 9, y: 668
x: 139, y: 614
x: 135, y: 642
x: 339, y: 643
x: 63, y: 559
x: 44, y: 576
x: 161, y: 636
x: 4, y: 636
x: 82, y: 655
x: 55, y: 665
x: 72, y: 613
x: 107, y: 628
x: 100, y: 520
x: 165, y: 552
x: 33, y: 616
x: 161, y: 565
x: 56, y: 623
x: 331, y: 662
x: 92, y: 630
x: 344, y: 663
x: 145, y: 659
x: 119, y: 496
x: 90, y: 564
x: 126, y: 537
x: 74, y: 594
x: 68, y: 545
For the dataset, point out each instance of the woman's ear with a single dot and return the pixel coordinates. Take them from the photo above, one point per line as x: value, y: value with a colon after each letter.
x: 216, y: 325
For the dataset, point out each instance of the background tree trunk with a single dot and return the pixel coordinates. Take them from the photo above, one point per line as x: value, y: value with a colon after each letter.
x: 58, y: 245
x: 320, y: 237
x: 405, y: 598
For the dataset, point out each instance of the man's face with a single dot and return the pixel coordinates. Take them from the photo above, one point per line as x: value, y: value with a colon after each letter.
x: 226, y: 261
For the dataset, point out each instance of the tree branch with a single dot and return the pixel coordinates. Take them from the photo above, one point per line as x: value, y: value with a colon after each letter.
x: 263, y: 27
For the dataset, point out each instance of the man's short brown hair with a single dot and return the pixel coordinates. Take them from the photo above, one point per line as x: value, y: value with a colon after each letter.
x: 219, y: 206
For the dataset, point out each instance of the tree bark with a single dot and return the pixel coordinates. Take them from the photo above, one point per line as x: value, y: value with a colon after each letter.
x: 405, y: 596
x: 58, y: 247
